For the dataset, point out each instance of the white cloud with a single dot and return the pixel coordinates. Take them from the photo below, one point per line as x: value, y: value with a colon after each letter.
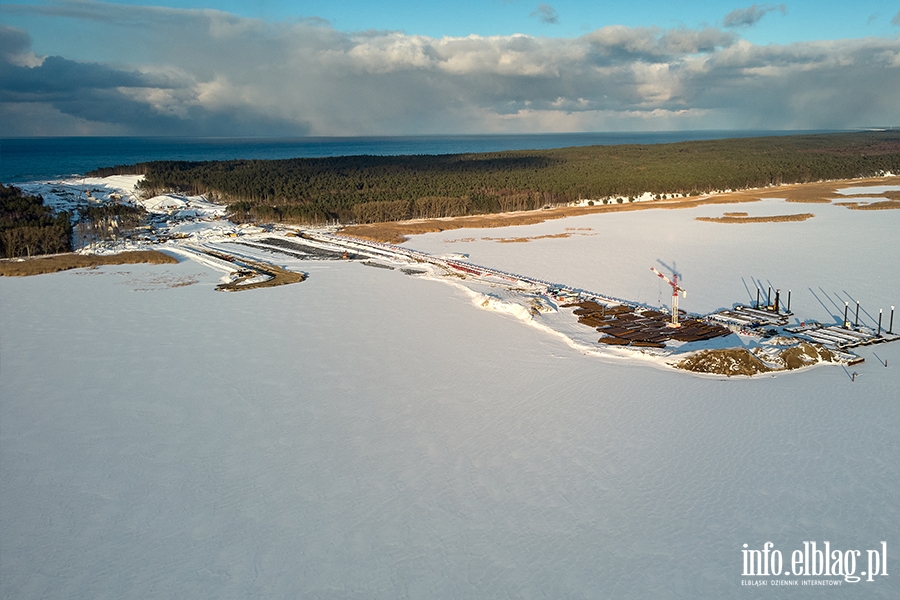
x: 211, y: 73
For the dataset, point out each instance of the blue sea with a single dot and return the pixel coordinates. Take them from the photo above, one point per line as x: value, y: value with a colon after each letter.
x: 34, y: 159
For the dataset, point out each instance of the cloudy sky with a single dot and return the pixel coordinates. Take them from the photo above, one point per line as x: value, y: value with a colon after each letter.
x: 386, y: 67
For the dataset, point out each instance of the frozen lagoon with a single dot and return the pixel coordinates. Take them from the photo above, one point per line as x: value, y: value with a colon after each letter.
x: 366, y: 434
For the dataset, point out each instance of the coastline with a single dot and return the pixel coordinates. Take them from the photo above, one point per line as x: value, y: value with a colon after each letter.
x: 817, y: 192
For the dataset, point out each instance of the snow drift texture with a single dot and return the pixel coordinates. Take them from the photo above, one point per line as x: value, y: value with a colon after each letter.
x: 366, y: 434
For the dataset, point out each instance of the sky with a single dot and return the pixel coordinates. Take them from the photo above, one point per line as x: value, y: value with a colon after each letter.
x: 398, y: 67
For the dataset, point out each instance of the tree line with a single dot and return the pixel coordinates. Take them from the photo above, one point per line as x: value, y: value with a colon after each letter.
x: 29, y: 228
x: 361, y: 189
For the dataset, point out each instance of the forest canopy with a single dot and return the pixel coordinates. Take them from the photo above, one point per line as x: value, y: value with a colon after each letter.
x: 366, y: 189
x: 28, y: 227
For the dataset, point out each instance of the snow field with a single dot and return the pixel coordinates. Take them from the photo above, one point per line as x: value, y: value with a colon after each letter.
x: 367, y: 434
x: 848, y: 254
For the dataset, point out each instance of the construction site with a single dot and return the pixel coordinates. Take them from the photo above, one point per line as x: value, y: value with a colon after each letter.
x: 766, y: 320
x: 767, y: 335
x: 623, y: 323
x: 641, y: 327
x: 631, y: 325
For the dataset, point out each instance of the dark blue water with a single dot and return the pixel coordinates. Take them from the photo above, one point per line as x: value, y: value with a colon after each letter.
x: 31, y: 159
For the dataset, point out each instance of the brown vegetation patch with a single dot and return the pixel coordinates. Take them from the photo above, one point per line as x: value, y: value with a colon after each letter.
x: 736, y: 214
x: 64, y: 262
x: 550, y: 236
x: 811, y: 200
x: 771, y: 219
x: 518, y: 240
x: 278, y: 276
x: 884, y: 205
x: 815, y: 192
x: 805, y: 354
x: 398, y: 232
x: 730, y: 361
x: 889, y: 195
x: 249, y: 269
x: 740, y: 361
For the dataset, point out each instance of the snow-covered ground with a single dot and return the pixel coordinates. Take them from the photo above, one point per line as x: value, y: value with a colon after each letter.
x: 172, y: 214
x: 370, y: 434
x: 838, y: 255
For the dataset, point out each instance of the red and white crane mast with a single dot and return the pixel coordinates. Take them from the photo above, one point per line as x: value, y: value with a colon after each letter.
x: 675, y: 289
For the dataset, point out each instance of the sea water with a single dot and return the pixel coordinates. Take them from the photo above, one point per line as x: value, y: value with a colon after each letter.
x: 33, y: 159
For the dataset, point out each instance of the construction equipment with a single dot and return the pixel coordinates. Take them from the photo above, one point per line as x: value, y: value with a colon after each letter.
x: 675, y: 289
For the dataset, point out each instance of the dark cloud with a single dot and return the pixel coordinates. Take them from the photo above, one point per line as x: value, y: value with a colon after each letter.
x: 97, y: 94
x: 546, y: 14
x: 617, y: 43
x: 747, y: 17
x: 13, y: 42
x: 129, y: 101
x: 57, y: 75
x: 207, y: 73
x: 117, y: 14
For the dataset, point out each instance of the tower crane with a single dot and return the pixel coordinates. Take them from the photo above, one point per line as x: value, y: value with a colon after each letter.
x: 675, y: 289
